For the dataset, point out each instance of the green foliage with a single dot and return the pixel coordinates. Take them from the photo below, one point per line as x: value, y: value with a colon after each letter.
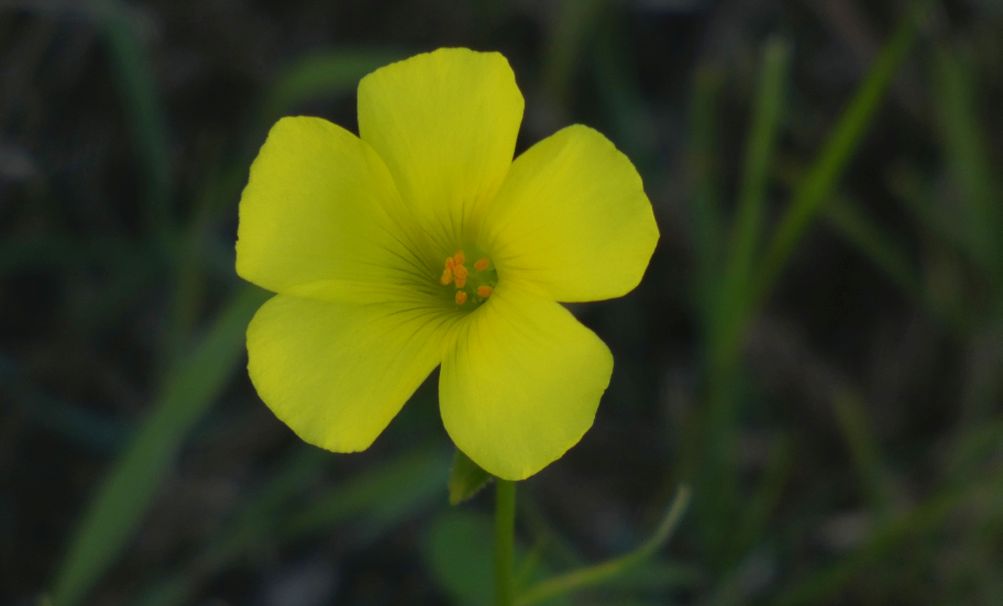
x: 457, y: 551
x: 818, y: 185
x: 466, y: 479
x: 785, y: 416
x: 604, y: 572
x: 118, y: 507
x: 322, y: 75
x: 281, y: 512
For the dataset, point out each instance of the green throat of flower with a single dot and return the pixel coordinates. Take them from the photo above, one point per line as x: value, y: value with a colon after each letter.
x: 468, y: 285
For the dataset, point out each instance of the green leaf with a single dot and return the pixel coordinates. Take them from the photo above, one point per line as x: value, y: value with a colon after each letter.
x: 117, y: 509
x: 458, y: 552
x: 466, y: 479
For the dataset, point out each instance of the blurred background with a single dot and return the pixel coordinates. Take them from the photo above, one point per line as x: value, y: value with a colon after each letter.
x: 817, y: 348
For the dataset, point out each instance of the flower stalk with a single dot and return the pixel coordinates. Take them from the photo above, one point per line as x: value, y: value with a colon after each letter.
x: 504, y: 542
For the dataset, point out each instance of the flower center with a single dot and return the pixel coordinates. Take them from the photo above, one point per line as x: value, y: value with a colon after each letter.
x: 472, y: 284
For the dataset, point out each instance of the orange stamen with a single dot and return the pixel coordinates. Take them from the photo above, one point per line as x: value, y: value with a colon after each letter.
x: 461, y: 274
x: 481, y: 264
x: 459, y: 257
x: 461, y: 297
x: 484, y: 291
x: 447, y: 276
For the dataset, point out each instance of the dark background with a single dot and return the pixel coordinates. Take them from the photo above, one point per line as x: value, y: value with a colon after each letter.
x: 816, y: 349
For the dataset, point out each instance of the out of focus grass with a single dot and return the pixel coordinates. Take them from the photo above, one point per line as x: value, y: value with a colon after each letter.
x: 816, y: 349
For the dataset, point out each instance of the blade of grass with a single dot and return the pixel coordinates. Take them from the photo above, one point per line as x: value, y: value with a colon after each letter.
x: 404, y: 485
x: 624, y: 107
x: 410, y: 482
x: 73, y: 420
x: 117, y: 508
x: 859, y: 231
x: 864, y: 451
x: 707, y: 229
x: 325, y: 74
x: 755, y: 513
x: 188, y: 268
x: 707, y: 223
x: 599, y: 573
x: 823, y: 586
x: 819, y: 183
x: 943, y: 236
x: 967, y: 160
x: 135, y: 79
x: 253, y: 522
x: 717, y: 491
x: 705, y: 214
x: 747, y: 227
x: 573, y: 24
x: 977, y: 443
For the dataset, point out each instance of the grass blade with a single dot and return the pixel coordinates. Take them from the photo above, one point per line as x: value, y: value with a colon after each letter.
x: 865, y: 453
x: 859, y: 231
x: 574, y: 25
x: 140, y: 99
x: 117, y: 508
x: 325, y: 74
x: 747, y: 227
x: 824, y: 586
x: 378, y: 497
x: 819, y: 183
x: 967, y: 160
x: 399, y: 487
x: 707, y: 230
x: 599, y: 573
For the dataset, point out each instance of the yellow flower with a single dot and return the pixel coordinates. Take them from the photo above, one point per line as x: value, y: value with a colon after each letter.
x: 422, y: 243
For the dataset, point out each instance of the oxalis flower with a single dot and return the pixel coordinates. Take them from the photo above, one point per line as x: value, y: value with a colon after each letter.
x: 422, y: 243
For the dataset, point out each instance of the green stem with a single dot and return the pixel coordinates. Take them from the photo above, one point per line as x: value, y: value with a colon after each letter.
x: 504, y: 541
x: 596, y: 574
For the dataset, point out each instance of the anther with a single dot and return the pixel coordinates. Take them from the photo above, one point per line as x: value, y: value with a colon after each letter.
x: 461, y: 297
x: 481, y: 264
x: 484, y: 291
x: 459, y: 257
x: 461, y: 274
x: 447, y: 276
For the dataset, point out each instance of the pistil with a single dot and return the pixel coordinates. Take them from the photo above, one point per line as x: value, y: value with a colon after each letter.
x: 469, y: 285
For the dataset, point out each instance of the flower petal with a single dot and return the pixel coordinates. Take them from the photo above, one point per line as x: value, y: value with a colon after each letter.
x: 445, y: 123
x: 521, y: 384
x: 572, y: 219
x: 337, y: 373
x: 315, y: 217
